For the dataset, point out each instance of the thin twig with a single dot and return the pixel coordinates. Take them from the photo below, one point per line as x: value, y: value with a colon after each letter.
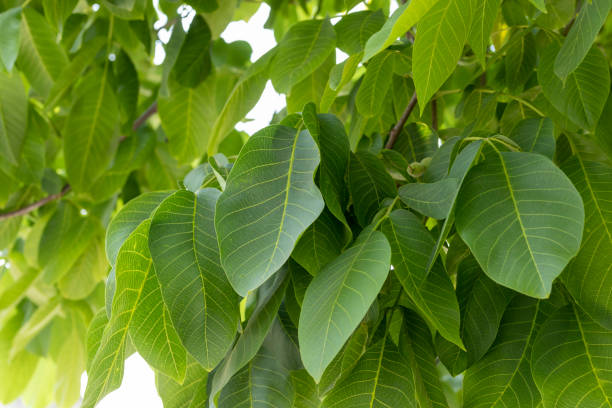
x: 397, y: 129
x: 52, y: 197
x: 31, y: 207
x: 146, y: 115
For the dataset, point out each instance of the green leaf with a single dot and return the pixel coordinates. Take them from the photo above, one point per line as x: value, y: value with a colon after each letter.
x: 13, y: 117
x: 86, y: 272
x: 503, y: 376
x: 339, y: 297
x: 241, y: 100
x: 91, y: 130
x: 34, y: 325
x: 354, y: 29
x: 375, y: 84
x: 303, y: 49
x: 321, y: 243
x: 193, y: 63
x: 433, y: 295
x: 401, y: 21
x: 306, y: 392
x: 431, y: 199
x: 590, y: 271
x: 483, y: 20
x: 580, y: 38
x: 572, y: 346
x: 335, y: 149
x: 11, y: 295
x: 57, y: 11
x: 126, y: 9
x: 311, y: 88
x: 187, y: 117
x: 539, y: 4
x: 200, y: 300
x: 369, y: 183
x: 269, y: 201
x: 94, y: 335
x: 40, y: 58
x: 415, y: 344
x: 441, y: 35
x: 521, y: 57
x: 129, y: 218
x: 381, y: 378
x: 535, y: 135
x: 191, y: 393
x: 10, y: 22
x: 537, y: 216
x: 270, y: 296
x: 584, y: 94
x: 339, y: 77
x: 72, y: 357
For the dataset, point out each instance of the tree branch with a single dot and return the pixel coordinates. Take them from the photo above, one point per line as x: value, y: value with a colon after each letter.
x: 52, y: 197
x: 31, y: 207
x: 397, y: 129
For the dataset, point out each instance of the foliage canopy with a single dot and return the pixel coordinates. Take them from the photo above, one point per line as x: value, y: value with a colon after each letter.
x: 437, y: 203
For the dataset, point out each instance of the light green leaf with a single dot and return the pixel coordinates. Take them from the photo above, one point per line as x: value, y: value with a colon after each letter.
x: 590, y: 272
x: 485, y: 13
x: 10, y: 22
x: 433, y: 295
x: 187, y: 117
x: 303, y: 49
x: 431, y: 199
x: 580, y: 38
x: 40, y: 58
x: 129, y: 218
x: 321, y: 243
x: 71, y: 360
x: 91, y: 130
x: 439, y: 42
x: 522, y: 219
x: 571, y: 360
x: 375, y: 84
x: 503, y: 376
x: 57, y: 11
x: 201, y: 302
x: 35, y: 324
x: 535, y: 135
x: 87, y: 271
x: 369, y: 184
x: 401, y: 21
x: 270, y: 296
x: 339, y: 297
x: 311, y: 88
x: 269, y: 201
x: 13, y: 117
x: 539, y: 4
x: 94, y: 335
x: 191, y: 393
x: 584, y: 94
x: 354, y: 29
x: 11, y: 295
x: 340, y: 75
x: 241, y: 100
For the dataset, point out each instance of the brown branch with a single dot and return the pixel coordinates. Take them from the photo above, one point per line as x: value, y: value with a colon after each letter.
x: 52, y: 197
x: 31, y: 207
x: 397, y: 129
x: 146, y: 115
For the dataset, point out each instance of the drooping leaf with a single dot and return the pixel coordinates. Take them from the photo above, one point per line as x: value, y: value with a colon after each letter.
x: 91, y: 130
x: 13, y: 117
x: 57, y: 11
x: 585, y: 91
x: 581, y: 37
x: 129, y: 218
x: 34, y: 325
x: 535, y: 135
x: 381, y: 378
x: 311, y: 88
x: 190, y: 393
x: 354, y: 29
x: 271, y: 295
x: 339, y: 297
x: 525, y: 210
x: 86, y: 272
x: 441, y: 35
x: 521, y: 57
x: 193, y: 62
x: 10, y: 21
x: 375, y: 84
x: 503, y: 376
x: 305, y: 46
x: 590, y: 272
x: 570, y: 360
x: 432, y: 199
x: 483, y: 20
x: 433, y: 295
x: 369, y: 183
x: 416, y: 142
x: 202, y: 305
x: 269, y: 201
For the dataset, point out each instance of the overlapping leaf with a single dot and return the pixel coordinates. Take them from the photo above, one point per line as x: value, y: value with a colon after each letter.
x: 269, y: 201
